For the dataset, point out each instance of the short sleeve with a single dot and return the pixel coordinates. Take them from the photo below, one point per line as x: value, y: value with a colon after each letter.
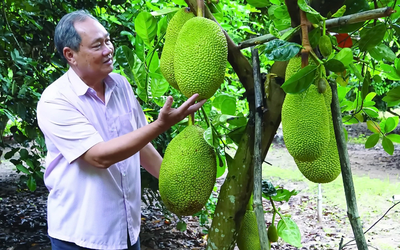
x: 68, y: 130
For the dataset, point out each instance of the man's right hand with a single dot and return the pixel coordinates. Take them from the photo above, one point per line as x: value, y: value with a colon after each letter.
x: 169, y: 116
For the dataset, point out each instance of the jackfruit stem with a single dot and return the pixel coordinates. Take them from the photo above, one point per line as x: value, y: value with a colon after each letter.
x: 304, y: 23
x: 191, y: 119
x: 200, y: 8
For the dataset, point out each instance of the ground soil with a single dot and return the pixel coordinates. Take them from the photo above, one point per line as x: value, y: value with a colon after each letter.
x: 23, y: 213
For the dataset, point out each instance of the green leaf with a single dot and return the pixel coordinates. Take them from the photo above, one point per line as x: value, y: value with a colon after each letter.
x: 373, y: 127
x: 301, y: 80
x: 146, y: 27
x: 365, y: 86
x: 228, y: 106
x: 394, y: 138
x: 217, y: 102
x: 31, y: 183
x: 393, y: 95
x: 181, y: 226
x: 284, y: 194
x: 279, y: 50
x: 388, y: 145
x: 335, y: 65
x: 234, y: 120
x: 391, y: 124
x: 306, y: 8
x: 164, y: 11
x: 372, y: 37
x: 211, y: 137
x: 221, y: 167
x: 139, y: 48
x: 281, y: 12
x: 390, y: 72
x: 162, y: 26
x: 345, y: 55
x: 370, y: 96
x: 258, y: 3
x: 372, y: 141
x: 22, y: 168
x: 158, y: 85
x: 289, y: 231
x: 268, y: 189
x: 371, y: 112
x: 382, y: 51
x: 236, y: 135
x: 23, y: 153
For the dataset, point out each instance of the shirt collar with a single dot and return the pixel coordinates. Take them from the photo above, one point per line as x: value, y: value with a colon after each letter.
x: 80, y: 88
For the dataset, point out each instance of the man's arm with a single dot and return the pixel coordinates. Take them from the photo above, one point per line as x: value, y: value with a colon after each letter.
x: 104, y: 154
x: 151, y: 160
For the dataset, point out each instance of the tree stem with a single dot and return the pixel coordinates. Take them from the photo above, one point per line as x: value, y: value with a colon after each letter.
x: 352, y: 210
x: 257, y: 192
x: 200, y: 8
x: 304, y: 24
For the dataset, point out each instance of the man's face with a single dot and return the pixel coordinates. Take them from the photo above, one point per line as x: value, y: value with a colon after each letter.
x: 95, y: 56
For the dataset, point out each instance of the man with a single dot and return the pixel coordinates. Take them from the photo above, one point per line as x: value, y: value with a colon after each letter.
x: 97, y: 137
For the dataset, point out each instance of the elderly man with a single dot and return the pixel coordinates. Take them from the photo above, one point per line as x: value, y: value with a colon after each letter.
x: 97, y: 137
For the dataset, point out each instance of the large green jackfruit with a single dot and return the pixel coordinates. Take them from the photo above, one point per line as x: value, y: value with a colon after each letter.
x: 167, y: 55
x: 200, y: 59
x: 305, y: 124
x: 327, y: 167
x: 248, y: 237
x: 188, y: 172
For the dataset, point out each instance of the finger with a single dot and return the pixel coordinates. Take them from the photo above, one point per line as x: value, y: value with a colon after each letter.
x: 168, y: 102
x: 193, y: 108
x: 189, y: 102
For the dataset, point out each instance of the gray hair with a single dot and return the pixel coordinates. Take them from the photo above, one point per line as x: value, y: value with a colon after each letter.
x: 65, y: 34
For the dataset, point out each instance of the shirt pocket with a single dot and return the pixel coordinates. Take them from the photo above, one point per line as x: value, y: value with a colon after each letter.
x: 126, y: 123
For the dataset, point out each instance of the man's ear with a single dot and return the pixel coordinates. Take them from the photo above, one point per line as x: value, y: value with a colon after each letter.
x: 69, y: 55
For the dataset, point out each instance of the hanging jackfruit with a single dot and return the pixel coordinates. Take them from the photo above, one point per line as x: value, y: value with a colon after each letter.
x: 188, y: 172
x: 305, y: 124
x: 326, y: 168
x: 200, y: 58
x: 248, y: 237
x: 167, y: 55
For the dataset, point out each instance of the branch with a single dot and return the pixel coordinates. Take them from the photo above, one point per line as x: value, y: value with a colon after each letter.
x: 330, y: 23
x: 257, y: 201
x: 352, y: 210
x: 359, y: 17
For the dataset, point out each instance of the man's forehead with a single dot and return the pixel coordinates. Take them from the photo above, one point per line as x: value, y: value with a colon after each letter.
x: 91, y: 28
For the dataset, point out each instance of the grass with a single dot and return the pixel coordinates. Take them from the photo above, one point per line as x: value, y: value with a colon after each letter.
x: 374, y: 196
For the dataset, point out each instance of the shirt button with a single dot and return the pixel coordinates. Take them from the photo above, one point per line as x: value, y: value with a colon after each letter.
x: 123, y: 174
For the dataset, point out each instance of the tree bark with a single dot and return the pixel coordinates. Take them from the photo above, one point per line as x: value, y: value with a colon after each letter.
x: 352, y: 210
x: 257, y: 193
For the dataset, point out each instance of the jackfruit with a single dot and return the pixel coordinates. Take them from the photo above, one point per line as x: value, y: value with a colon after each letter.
x: 326, y: 168
x: 200, y: 59
x: 248, y: 237
x: 305, y: 124
x: 167, y: 55
x: 293, y: 67
x: 272, y: 233
x: 188, y: 172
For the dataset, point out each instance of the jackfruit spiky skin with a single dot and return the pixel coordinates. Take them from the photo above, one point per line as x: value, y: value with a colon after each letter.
x: 188, y: 172
x: 305, y: 124
x: 293, y: 67
x: 327, y: 167
x: 167, y: 55
x: 200, y: 59
x: 248, y: 238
